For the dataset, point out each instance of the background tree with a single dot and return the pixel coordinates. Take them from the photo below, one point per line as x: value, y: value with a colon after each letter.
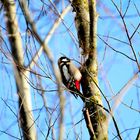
x: 32, y: 102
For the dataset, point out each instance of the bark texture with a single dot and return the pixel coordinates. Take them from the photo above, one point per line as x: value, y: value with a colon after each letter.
x: 94, y: 114
x: 21, y: 76
x: 80, y: 7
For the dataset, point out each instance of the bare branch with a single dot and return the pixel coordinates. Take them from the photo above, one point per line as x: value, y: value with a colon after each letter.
x: 48, y: 37
x: 135, y: 31
x: 117, y: 50
x: 118, y: 98
x: 25, y: 105
x: 138, y: 135
x: 127, y: 34
x: 50, y: 56
x: 126, y: 8
x: 89, y: 123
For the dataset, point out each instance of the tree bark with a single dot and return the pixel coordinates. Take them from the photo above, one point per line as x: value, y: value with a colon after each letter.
x: 21, y: 76
x: 94, y: 114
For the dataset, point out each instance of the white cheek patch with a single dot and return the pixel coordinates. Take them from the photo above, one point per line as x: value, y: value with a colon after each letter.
x: 65, y: 60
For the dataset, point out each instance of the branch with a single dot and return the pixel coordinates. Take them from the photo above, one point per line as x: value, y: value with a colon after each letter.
x: 25, y: 105
x: 50, y: 57
x: 119, y: 97
x: 127, y: 33
x: 89, y: 81
x: 48, y: 37
x: 89, y: 123
x: 117, y: 50
x: 138, y: 135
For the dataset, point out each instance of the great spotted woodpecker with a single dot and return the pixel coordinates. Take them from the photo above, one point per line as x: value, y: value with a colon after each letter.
x: 70, y: 74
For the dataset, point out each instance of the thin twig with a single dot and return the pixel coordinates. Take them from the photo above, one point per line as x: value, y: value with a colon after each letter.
x: 117, y: 50
x: 127, y: 34
x: 135, y: 31
x: 49, y: 35
x: 126, y: 8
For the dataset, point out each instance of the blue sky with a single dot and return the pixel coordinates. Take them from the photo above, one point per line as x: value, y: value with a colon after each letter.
x: 114, y: 71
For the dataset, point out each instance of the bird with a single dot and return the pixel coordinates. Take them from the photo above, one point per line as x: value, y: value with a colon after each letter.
x: 70, y: 74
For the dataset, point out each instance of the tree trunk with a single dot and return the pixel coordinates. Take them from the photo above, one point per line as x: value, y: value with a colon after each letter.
x: 21, y: 76
x: 94, y: 114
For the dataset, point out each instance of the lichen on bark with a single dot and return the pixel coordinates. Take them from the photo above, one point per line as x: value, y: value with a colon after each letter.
x: 96, y: 121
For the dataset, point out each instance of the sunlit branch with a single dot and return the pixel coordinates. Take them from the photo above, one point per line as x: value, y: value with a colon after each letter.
x: 119, y: 97
x: 49, y: 35
x: 59, y: 15
x: 50, y: 57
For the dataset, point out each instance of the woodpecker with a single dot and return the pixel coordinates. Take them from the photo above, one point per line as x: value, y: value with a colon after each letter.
x: 70, y: 74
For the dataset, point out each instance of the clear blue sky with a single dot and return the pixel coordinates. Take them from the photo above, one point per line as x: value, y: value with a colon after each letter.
x: 114, y: 71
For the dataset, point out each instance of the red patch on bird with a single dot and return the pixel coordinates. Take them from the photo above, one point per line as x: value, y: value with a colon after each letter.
x: 77, y: 84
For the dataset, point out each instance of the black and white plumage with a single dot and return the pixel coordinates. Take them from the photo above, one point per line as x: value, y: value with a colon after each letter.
x: 70, y: 74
